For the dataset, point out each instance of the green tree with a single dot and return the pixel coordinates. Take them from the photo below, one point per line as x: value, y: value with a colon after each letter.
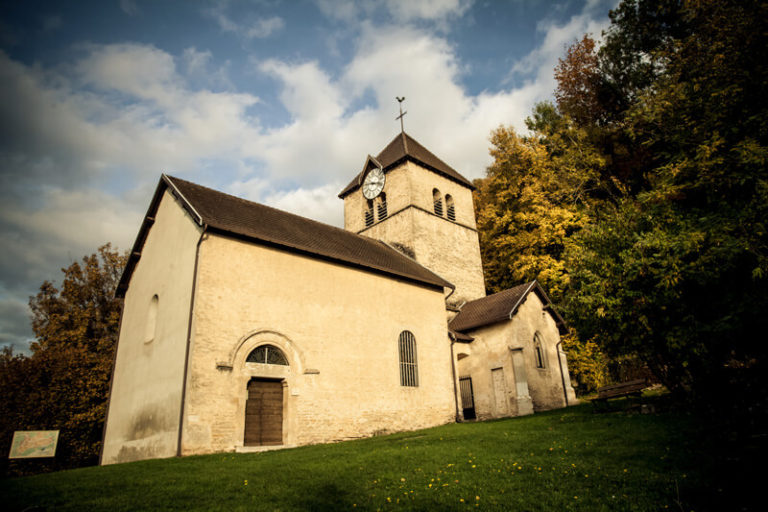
x: 63, y: 384
x: 674, y: 270
x: 530, y: 204
x: 532, y: 201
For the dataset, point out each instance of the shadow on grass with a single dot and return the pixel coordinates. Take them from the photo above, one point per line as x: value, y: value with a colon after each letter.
x: 319, y: 496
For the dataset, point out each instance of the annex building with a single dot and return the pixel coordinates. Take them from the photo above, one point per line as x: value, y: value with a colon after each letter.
x: 246, y: 327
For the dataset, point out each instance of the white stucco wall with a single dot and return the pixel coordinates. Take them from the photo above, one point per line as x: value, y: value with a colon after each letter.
x: 145, y: 399
x: 339, y: 328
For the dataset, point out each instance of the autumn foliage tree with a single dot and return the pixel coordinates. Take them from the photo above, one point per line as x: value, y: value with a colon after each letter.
x: 660, y: 133
x: 63, y: 384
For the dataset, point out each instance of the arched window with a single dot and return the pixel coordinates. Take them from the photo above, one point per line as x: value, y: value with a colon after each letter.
x: 437, y: 200
x: 369, y: 213
x: 538, y: 351
x: 267, y: 354
x: 450, y: 208
x: 382, y: 209
x: 409, y: 369
x: 150, y: 329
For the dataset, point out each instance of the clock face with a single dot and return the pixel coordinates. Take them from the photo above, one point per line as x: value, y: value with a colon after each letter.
x: 374, y: 183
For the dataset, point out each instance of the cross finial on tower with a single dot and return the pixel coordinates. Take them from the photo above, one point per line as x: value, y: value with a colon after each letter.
x: 400, y: 117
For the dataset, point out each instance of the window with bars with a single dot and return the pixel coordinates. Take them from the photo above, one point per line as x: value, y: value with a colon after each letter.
x: 369, y: 213
x: 267, y: 354
x: 382, y: 206
x: 538, y: 351
x: 409, y: 368
x: 451, y: 210
x: 437, y: 200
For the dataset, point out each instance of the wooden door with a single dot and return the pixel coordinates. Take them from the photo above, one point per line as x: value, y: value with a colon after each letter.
x: 467, y: 398
x: 264, y: 413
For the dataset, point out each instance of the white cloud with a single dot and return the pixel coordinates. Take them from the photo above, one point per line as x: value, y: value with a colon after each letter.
x: 249, y: 28
x: 196, y: 61
x: 401, y: 11
x: 427, y: 9
x: 130, y: 7
x: 264, y: 27
x: 318, y: 203
x: 15, y: 327
x: 82, y: 146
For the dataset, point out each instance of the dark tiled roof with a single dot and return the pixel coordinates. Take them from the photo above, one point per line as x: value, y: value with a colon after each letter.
x: 498, y: 307
x: 402, y: 147
x: 232, y: 215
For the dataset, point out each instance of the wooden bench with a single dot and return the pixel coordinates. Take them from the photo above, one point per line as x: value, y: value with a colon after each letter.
x: 633, y: 388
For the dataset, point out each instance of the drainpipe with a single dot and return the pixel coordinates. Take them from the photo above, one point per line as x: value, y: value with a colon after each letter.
x: 562, y: 374
x: 189, y: 340
x: 453, y: 377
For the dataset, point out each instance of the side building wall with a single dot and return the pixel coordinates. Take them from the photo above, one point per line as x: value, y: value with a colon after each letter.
x: 502, y: 364
x: 339, y: 329
x: 145, y: 398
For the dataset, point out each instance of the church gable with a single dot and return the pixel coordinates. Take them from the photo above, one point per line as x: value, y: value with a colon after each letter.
x: 404, y: 147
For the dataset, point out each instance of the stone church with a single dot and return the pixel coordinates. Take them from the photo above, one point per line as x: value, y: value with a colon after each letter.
x: 245, y: 327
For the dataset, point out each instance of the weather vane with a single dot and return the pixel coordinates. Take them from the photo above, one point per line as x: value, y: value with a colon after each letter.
x: 400, y: 117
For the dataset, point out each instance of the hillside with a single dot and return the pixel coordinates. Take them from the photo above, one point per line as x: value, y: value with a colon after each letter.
x: 570, y: 459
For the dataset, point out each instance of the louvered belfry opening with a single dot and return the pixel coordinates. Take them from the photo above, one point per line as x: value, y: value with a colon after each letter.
x: 409, y: 371
x: 264, y: 413
x: 382, y: 206
x: 437, y: 200
x: 369, y: 213
x: 451, y: 210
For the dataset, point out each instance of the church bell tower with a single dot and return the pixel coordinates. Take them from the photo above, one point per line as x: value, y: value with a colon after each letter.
x: 409, y: 198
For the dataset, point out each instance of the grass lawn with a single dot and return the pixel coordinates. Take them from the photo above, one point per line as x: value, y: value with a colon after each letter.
x: 570, y: 459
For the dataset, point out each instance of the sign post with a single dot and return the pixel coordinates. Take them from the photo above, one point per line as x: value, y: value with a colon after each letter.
x: 33, y: 443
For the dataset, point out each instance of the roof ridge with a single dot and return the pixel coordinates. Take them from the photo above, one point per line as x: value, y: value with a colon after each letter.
x: 278, y: 210
x: 526, y: 284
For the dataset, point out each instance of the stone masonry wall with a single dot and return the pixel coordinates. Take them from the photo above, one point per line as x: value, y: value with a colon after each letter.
x: 449, y: 248
x: 491, y: 349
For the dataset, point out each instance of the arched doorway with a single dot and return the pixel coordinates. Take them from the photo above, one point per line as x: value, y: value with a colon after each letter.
x: 264, y: 404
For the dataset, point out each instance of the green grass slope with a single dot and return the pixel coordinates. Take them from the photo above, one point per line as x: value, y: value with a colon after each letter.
x: 569, y: 459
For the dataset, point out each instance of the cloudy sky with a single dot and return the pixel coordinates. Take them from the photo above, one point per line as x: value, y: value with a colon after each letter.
x: 275, y: 101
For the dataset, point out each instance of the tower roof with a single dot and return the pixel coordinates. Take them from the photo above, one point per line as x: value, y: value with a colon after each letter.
x: 404, y: 147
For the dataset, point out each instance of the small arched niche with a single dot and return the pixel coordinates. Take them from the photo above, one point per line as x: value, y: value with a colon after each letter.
x: 150, y: 328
